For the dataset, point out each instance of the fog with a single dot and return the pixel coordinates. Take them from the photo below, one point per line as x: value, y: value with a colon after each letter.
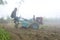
x: 28, y: 8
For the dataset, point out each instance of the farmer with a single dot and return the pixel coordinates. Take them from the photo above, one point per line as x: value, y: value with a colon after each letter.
x: 16, y: 19
x: 13, y: 15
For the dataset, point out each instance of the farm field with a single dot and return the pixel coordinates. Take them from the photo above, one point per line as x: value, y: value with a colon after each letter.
x: 29, y: 20
x: 45, y: 32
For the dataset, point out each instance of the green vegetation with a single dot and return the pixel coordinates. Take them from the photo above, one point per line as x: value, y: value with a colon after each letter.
x: 3, y: 2
x: 4, y: 35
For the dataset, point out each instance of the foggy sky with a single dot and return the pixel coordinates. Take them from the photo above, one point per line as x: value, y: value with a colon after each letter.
x: 28, y: 8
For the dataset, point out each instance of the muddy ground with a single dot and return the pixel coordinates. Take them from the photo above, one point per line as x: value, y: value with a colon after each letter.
x: 51, y: 32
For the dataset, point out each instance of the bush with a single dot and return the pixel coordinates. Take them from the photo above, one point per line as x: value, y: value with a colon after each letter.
x: 4, y: 35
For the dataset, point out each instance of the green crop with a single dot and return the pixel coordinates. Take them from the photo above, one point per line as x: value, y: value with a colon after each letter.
x: 4, y: 35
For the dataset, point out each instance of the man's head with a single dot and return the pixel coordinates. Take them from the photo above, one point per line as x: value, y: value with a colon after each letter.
x: 15, y: 9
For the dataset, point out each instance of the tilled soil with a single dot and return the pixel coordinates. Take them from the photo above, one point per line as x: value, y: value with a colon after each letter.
x: 29, y: 34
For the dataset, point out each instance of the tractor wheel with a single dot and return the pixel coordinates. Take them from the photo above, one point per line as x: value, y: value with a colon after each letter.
x: 34, y: 26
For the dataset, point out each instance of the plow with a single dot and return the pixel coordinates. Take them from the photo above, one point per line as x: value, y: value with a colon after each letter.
x: 28, y: 23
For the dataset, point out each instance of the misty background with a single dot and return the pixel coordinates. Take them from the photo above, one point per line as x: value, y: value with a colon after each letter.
x: 48, y: 9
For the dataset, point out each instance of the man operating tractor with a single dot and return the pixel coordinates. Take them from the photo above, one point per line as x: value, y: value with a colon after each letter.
x: 25, y: 23
x: 16, y: 19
